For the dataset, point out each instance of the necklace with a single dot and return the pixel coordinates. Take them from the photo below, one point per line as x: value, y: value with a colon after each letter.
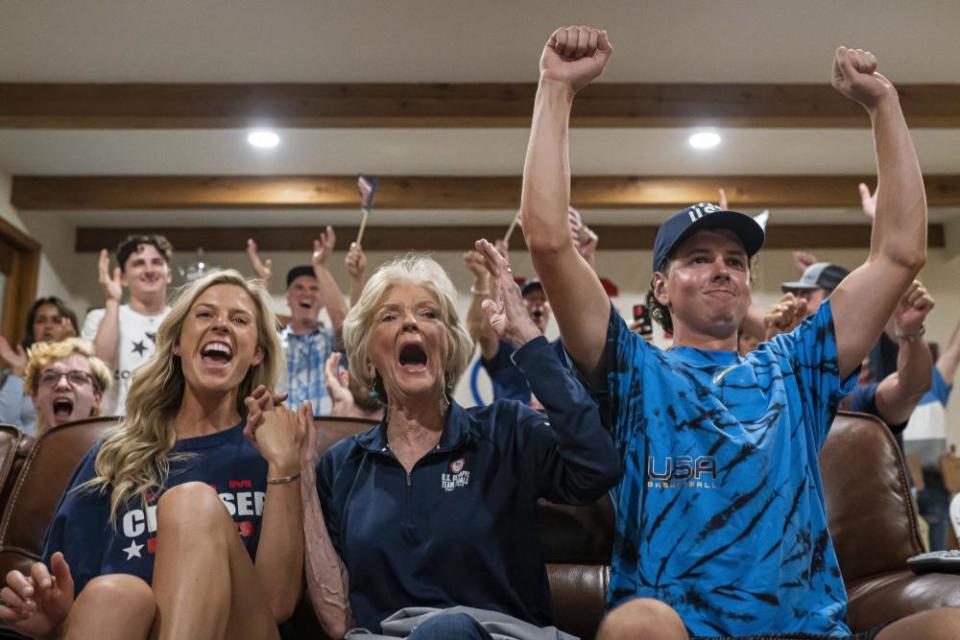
x: 719, y: 376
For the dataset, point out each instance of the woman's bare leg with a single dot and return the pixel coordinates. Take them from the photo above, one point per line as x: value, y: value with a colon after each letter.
x: 936, y: 624
x: 204, y: 582
x: 111, y: 607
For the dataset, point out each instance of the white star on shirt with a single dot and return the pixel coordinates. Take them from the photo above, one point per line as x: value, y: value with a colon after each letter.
x: 133, y: 550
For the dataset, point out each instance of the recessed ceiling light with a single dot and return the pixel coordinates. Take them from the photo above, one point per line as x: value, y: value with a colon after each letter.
x: 263, y: 139
x: 704, y: 140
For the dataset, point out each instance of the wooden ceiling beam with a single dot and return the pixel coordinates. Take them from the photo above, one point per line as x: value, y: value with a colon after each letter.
x: 397, y: 239
x: 219, y: 106
x: 90, y: 193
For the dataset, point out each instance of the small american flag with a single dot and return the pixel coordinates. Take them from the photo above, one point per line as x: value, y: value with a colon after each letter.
x: 368, y: 191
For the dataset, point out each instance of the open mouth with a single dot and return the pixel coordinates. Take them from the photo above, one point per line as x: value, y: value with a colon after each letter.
x: 305, y: 305
x: 536, y: 315
x: 413, y: 356
x: 217, y: 353
x: 62, y: 408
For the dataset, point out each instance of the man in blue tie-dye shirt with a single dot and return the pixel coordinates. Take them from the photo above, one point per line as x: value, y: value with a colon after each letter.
x: 721, y: 526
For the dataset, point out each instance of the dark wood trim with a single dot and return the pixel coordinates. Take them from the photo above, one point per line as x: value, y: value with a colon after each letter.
x: 213, y: 106
x: 21, y: 286
x: 36, y: 193
x: 396, y: 239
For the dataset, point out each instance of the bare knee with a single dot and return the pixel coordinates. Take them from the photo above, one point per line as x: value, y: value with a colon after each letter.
x: 119, y: 592
x: 642, y: 618
x: 936, y: 624
x: 191, y: 505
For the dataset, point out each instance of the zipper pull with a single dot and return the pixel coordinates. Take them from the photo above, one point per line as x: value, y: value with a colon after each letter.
x: 408, y: 479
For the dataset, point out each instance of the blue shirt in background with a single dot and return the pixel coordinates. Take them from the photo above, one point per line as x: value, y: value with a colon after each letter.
x: 507, y: 380
x: 720, y: 511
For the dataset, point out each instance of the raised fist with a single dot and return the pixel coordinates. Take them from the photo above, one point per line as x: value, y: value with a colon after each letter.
x: 784, y: 316
x: 575, y: 56
x: 855, y: 76
x: 914, y: 306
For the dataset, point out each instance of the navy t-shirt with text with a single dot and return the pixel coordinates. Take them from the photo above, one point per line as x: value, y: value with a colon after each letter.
x: 92, y: 546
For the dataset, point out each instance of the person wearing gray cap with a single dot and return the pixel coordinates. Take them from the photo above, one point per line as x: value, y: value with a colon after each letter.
x: 721, y: 526
x: 817, y: 282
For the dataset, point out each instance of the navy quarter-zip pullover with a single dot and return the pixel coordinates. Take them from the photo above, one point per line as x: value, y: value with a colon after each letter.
x: 461, y: 528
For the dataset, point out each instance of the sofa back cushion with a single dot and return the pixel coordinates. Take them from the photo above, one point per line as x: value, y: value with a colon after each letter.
x: 870, y: 513
x: 37, y: 489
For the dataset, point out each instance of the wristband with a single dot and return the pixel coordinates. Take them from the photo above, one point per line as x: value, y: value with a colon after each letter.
x: 910, y: 337
x: 479, y: 292
x: 284, y: 479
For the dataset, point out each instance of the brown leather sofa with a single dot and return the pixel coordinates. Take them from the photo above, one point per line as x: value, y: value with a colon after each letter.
x: 872, y: 520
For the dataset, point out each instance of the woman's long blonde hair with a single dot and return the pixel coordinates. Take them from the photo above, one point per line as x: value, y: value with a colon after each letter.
x: 134, y: 460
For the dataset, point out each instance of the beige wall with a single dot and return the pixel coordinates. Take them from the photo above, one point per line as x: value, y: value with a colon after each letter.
x: 56, y: 238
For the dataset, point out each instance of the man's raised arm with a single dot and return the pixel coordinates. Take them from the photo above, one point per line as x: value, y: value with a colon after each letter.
x: 571, y: 58
x: 865, y: 300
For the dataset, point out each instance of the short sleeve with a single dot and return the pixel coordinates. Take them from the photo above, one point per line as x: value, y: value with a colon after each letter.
x: 810, y: 351
x: 622, y: 401
x: 80, y: 525
x: 91, y: 324
x: 939, y: 389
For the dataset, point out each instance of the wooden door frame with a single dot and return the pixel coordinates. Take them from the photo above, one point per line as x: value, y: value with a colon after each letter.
x: 21, y: 289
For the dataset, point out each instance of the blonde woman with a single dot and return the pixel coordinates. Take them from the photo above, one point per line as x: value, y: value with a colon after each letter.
x: 65, y: 381
x: 436, y: 506
x: 141, y: 545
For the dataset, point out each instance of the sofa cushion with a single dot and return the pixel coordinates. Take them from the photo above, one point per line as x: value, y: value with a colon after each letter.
x: 37, y: 490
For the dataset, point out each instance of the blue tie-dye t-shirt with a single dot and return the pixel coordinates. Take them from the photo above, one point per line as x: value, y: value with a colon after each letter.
x: 720, y: 511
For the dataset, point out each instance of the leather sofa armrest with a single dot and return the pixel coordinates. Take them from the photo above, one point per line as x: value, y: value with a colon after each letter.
x: 896, y: 594
x: 579, y: 596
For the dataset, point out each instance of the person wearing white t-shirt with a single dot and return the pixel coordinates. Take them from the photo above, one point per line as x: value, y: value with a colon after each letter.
x: 124, y: 335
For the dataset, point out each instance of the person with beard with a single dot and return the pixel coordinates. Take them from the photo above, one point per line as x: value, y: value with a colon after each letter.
x: 124, y: 335
x: 306, y: 341
x: 721, y: 525
x: 48, y: 320
x: 65, y: 382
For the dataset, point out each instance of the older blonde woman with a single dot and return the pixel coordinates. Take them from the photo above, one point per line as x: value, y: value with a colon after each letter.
x: 436, y: 506
x: 141, y: 544
x: 65, y: 381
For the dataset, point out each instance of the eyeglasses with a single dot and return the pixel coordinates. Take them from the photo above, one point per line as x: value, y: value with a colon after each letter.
x: 75, y: 378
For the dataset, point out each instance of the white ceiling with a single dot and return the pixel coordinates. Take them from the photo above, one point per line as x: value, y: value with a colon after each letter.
x: 457, y: 41
x: 464, y: 40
